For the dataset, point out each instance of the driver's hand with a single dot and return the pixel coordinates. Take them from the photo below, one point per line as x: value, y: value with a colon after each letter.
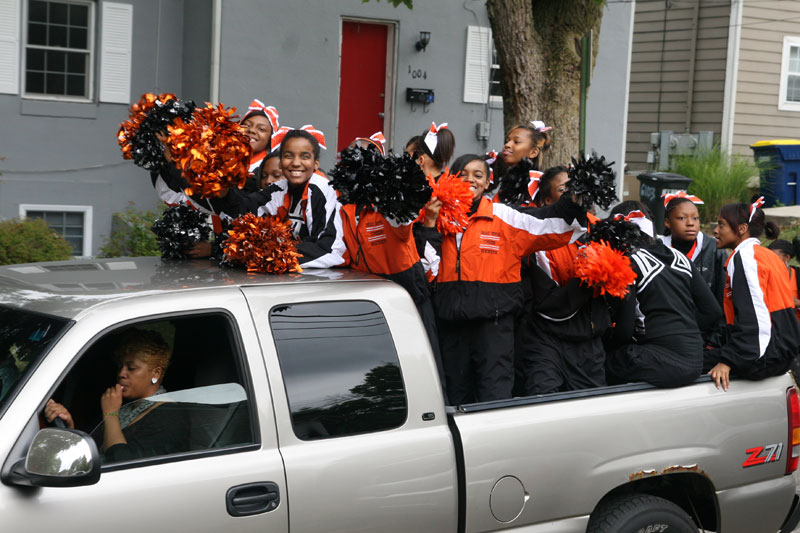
x: 53, y: 410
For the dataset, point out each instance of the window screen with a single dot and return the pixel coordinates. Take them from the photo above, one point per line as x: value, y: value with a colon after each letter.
x: 69, y: 224
x: 340, y: 368
x: 57, y: 51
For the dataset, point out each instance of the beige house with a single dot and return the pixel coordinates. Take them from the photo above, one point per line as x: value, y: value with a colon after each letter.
x: 727, y: 66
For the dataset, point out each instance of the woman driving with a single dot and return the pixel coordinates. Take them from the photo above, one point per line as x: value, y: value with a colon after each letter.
x: 142, y: 427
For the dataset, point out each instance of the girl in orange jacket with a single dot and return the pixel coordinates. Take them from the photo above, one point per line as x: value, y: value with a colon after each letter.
x: 478, y: 284
x: 763, y: 331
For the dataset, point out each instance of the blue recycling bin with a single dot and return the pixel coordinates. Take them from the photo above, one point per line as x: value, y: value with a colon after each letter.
x: 779, y: 161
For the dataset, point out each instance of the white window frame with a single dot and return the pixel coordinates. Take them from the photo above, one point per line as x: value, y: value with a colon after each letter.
x: 789, y: 41
x: 87, y: 220
x: 91, y: 47
x: 494, y: 70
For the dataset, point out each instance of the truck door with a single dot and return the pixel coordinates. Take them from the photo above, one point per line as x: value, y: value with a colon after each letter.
x: 360, y: 418
x: 210, y: 450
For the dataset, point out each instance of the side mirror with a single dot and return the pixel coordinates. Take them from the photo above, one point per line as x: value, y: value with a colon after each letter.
x: 58, y: 458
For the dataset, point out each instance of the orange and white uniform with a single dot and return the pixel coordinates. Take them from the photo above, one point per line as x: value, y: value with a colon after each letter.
x: 763, y: 330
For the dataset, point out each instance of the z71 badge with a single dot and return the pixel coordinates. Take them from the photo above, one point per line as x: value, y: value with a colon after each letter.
x: 763, y: 454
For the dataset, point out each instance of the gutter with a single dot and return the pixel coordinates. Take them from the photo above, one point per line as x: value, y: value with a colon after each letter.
x: 216, y: 48
x: 731, y: 76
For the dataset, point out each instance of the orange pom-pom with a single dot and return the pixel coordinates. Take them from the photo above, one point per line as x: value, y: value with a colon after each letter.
x: 212, y: 150
x: 136, y: 115
x: 600, y: 265
x: 262, y: 244
x: 456, y: 198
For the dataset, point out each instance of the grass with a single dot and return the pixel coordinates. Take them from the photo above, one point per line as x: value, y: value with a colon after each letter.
x: 718, y: 178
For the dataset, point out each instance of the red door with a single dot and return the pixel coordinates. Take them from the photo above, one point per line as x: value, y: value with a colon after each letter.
x: 363, y: 81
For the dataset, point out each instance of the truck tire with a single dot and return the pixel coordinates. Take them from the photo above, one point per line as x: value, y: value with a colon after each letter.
x: 640, y: 513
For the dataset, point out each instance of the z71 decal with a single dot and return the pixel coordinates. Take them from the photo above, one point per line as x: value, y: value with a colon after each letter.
x: 763, y: 454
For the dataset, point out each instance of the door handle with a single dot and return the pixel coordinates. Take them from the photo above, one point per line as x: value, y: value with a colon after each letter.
x: 381, y: 114
x: 252, y: 498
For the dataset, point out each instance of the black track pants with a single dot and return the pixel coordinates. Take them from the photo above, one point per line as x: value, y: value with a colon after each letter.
x: 478, y: 357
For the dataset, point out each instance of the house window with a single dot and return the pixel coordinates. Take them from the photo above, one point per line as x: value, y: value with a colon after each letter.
x: 495, y: 79
x: 58, y: 52
x: 789, y: 99
x: 73, y: 222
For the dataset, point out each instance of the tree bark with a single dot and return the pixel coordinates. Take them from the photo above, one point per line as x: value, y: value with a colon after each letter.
x: 538, y: 48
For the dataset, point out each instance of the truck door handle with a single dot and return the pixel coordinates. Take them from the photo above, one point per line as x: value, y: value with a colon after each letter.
x: 252, y: 498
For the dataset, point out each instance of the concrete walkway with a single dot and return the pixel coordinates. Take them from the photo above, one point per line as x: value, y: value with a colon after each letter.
x: 784, y: 216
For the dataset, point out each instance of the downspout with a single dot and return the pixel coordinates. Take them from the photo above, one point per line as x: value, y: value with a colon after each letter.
x: 216, y: 48
x: 731, y: 76
x: 692, y: 60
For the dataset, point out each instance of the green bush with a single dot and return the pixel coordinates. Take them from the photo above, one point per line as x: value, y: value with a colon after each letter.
x: 131, y: 235
x: 718, y: 178
x: 31, y: 240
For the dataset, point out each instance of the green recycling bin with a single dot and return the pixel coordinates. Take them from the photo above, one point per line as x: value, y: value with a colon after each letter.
x: 652, y: 186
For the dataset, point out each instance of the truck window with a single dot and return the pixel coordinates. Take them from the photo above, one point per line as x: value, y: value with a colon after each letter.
x: 340, y: 368
x: 197, y: 400
x: 25, y: 338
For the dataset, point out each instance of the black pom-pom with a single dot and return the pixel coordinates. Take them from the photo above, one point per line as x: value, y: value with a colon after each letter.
x: 619, y: 234
x: 514, y: 185
x: 147, y: 151
x: 394, y: 185
x: 178, y: 230
x: 593, y: 181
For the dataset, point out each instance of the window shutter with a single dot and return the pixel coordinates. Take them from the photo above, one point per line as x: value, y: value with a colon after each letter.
x: 115, y: 53
x: 9, y: 46
x: 476, y: 70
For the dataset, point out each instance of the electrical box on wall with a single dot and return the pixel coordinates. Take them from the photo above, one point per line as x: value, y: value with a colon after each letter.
x: 419, y: 96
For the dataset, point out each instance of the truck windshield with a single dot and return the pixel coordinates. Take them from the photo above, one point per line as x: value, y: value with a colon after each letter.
x: 24, y: 339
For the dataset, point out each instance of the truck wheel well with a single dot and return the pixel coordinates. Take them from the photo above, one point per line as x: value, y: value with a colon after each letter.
x: 694, y: 493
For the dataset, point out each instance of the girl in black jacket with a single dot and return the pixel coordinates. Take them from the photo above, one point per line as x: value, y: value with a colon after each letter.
x: 682, y: 232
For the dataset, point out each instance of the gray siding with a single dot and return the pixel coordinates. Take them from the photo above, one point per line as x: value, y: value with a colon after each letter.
x: 287, y: 55
x: 661, y: 73
x: 61, y: 153
x: 757, y: 117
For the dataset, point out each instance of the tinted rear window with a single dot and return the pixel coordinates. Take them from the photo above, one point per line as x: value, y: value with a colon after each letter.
x: 340, y: 368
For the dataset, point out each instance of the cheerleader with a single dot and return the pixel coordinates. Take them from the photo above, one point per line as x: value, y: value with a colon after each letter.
x: 260, y: 123
x: 383, y: 246
x: 303, y: 197
x: 657, y: 334
x: 763, y: 330
x: 682, y: 232
x: 786, y: 251
x: 478, y: 284
x: 525, y: 144
x: 433, y: 149
x: 558, y: 345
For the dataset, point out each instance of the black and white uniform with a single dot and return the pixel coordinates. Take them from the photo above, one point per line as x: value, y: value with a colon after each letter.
x: 313, y: 211
x: 661, y: 320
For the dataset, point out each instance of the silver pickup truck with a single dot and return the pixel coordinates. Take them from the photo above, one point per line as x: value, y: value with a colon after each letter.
x: 311, y: 403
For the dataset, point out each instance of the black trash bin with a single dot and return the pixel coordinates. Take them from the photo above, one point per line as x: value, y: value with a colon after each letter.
x: 653, y: 185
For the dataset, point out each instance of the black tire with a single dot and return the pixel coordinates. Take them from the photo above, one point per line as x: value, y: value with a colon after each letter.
x: 639, y: 513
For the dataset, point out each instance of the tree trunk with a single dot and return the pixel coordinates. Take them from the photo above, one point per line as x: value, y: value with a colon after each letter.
x: 538, y: 47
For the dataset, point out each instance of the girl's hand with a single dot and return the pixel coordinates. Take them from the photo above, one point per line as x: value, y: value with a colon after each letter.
x: 111, y: 400
x: 432, y: 212
x: 162, y: 136
x: 721, y: 374
x: 53, y: 410
x: 200, y: 250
